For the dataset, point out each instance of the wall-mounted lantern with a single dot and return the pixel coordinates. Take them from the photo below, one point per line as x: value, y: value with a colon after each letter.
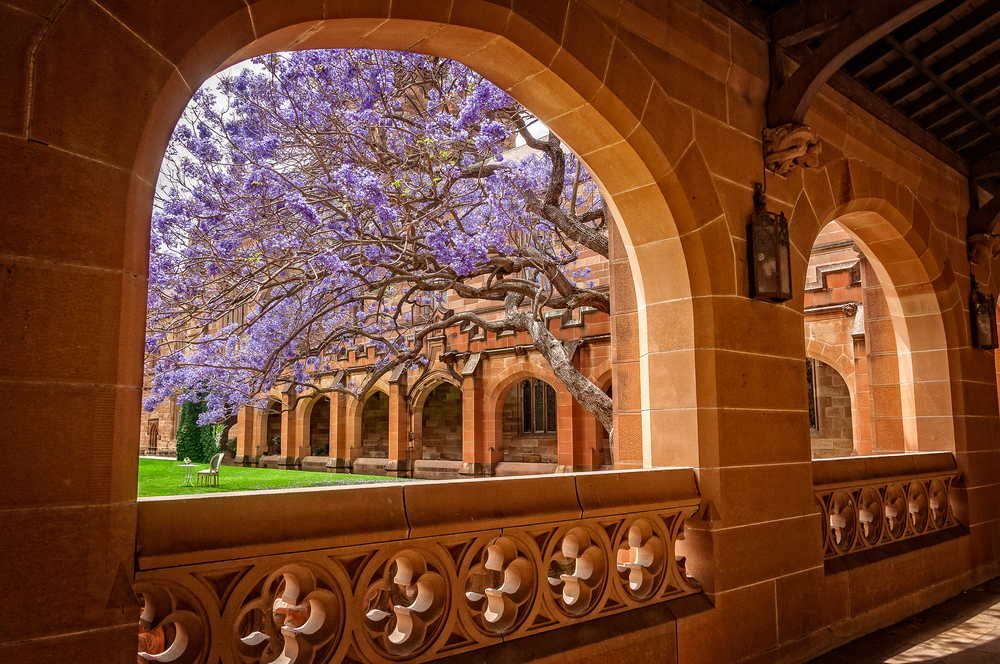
x: 768, y: 257
x: 983, y: 311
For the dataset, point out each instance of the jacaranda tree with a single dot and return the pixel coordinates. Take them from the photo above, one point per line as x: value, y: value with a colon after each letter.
x: 329, y: 196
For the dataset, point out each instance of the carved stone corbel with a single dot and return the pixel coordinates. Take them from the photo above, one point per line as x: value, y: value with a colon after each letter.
x: 983, y: 246
x: 788, y: 146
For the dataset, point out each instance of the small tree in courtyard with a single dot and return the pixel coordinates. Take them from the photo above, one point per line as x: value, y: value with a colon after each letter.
x: 329, y: 197
x: 190, y: 436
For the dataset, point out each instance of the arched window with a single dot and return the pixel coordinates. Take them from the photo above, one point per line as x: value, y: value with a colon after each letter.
x: 538, y: 407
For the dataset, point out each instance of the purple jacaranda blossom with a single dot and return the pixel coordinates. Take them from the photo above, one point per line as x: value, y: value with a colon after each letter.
x: 320, y: 200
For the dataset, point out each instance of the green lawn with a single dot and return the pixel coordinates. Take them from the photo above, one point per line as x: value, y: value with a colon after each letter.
x: 162, y: 477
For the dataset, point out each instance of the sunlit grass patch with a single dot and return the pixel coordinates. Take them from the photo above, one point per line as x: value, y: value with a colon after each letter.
x: 162, y: 477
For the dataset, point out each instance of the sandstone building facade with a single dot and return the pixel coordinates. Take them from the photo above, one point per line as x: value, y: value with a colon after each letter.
x: 784, y: 557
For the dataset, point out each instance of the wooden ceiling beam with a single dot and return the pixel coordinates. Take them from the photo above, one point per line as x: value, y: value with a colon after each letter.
x: 803, y: 20
x: 986, y: 167
x: 949, y: 108
x: 789, y: 100
x: 945, y: 66
x: 858, y: 64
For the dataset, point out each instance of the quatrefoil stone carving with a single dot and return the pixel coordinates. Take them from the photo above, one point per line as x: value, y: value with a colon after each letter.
x: 499, y: 587
x: 294, y: 621
x: 405, y: 604
x: 640, y: 559
x: 172, y: 626
x: 576, y: 571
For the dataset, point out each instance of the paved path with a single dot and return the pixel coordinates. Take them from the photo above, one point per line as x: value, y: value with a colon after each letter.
x: 963, y: 630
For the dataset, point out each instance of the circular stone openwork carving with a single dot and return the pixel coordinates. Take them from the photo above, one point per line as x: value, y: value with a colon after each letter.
x: 916, y: 506
x: 577, y: 571
x: 297, y: 617
x: 937, y: 501
x: 894, y: 505
x: 405, y: 604
x: 641, y: 559
x: 500, y: 586
x: 843, y: 521
x: 870, y: 516
x: 173, y: 626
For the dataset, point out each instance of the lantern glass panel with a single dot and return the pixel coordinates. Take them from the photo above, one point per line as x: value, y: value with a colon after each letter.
x: 983, y: 309
x: 769, y: 257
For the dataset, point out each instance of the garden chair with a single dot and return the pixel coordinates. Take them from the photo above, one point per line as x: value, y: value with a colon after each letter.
x: 211, y: 474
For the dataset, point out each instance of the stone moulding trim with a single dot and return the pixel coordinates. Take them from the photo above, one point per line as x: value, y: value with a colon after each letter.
x: 488, y: 573
x: 883, y: 507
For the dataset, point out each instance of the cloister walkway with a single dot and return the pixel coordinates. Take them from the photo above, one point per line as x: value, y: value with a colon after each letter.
x: 963, y: 630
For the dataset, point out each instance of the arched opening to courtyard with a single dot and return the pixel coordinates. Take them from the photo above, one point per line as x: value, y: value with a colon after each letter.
x: 374, y: 437
x: 441, y: 424
x: 272, y: 429
x: 873, y: 306
x: 319, y: 427
x: 633, y: 198
x: 541, y: 406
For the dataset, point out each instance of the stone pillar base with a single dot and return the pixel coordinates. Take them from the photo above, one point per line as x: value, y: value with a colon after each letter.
x: 477, y: 469
x: 249, y: 460
x: 290, y: 462
x: 338, y: 465
x: 398, y: 468
x: 574, y: 469
x: 474, y: 469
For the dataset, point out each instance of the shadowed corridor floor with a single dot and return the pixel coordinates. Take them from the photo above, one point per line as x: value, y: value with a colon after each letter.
x: 963, y: 630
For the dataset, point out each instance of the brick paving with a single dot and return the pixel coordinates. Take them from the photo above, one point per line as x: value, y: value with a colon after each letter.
x: 963, y: 630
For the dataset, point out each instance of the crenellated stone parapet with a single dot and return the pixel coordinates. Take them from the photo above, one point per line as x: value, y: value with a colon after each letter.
x: 411, y: 572
x: 868, y: 502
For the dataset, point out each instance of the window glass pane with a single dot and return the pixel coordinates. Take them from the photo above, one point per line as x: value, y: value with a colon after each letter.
x: 539, y: 406
x: 526, y: 406
x: 550, y: 408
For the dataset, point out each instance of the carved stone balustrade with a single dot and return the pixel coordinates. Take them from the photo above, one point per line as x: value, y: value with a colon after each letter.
x: 873, y: 501
x: 407, y: 572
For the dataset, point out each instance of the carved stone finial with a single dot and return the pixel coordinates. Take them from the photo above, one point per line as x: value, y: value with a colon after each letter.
x: 983, y: 246
x: 788, y: 146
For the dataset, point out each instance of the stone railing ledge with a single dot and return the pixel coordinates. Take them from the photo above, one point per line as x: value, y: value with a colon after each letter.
x: 183, y: 530
x: 605, y: 494
x: 855, y: 470
x: 456, y: 506
x: 447, y: 507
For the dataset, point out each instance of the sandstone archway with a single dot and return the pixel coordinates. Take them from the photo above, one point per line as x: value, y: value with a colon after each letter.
x: 920, y: 290
x: 579, y: 91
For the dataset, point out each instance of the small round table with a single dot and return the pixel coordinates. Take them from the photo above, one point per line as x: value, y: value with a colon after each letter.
x: 188, y: 470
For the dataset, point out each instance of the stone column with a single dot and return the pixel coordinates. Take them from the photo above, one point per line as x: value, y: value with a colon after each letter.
x: 290, y: 457
x: 303, y: 426
x: 565, y: 434
x: 340, y: 457
x: 624, y: 357
x: 882, y: 368
x: 400, y: 464
x: 861, y: 416
x: 587, y: 440
x: 248, y: 437
x: 474, y: 457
